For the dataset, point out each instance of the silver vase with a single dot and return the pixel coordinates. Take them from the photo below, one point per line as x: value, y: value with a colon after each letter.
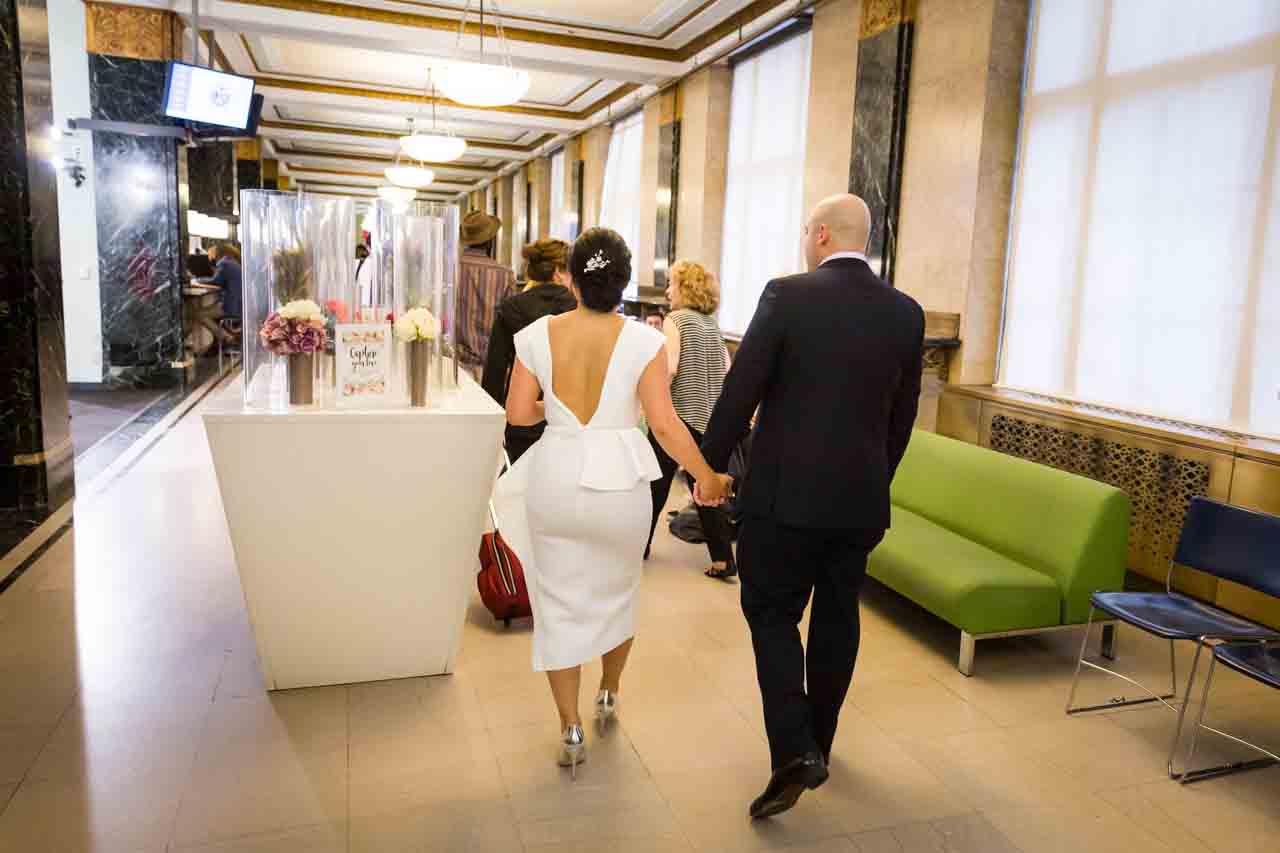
x: 302, y: 366
x: 419, y: 364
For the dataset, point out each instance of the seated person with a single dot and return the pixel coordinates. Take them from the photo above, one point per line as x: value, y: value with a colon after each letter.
x: 226, y: 261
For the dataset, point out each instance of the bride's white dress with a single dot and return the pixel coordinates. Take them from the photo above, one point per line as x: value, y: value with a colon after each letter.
x: 576, y: 507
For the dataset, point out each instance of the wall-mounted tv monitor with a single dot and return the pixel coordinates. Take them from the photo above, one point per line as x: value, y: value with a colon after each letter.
x: 213, y: 131
x: 206, y: 96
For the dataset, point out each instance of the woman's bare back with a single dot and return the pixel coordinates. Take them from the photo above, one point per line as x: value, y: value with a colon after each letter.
x: 582, y: 345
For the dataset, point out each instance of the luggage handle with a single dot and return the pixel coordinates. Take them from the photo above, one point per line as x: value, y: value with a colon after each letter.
x: 505, y: 571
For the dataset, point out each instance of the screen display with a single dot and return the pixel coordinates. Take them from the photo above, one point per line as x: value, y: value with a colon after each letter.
x: 208, y: 96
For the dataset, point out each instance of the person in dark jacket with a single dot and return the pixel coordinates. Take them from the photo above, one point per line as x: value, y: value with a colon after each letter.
x: 832, y: 359
x: 226, y: 265
x: 547, y: 271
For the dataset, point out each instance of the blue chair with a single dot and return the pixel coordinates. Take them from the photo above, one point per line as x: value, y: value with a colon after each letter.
x: 1227, y: 542
x: 1259, y: 661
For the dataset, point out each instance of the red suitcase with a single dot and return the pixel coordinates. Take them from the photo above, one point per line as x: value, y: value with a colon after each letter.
x: 501, y: 577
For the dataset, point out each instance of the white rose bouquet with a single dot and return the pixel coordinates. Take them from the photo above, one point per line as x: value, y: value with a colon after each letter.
x: 417, y: 324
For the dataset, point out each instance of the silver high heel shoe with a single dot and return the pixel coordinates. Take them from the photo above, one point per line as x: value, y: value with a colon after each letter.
x: 573, y: 748
x: 606, y: 707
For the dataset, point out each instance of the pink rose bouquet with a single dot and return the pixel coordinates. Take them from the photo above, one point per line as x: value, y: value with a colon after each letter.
x: 298, y: 327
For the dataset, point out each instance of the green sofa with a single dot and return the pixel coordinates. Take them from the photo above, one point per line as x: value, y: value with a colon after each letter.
x: 999, y: 546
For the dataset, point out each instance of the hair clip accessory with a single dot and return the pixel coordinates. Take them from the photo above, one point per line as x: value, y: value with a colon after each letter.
x: 597, y: 261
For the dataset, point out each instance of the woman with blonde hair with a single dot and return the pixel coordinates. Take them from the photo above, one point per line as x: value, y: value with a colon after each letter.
x: 547, y: 293
x: 697, y: 359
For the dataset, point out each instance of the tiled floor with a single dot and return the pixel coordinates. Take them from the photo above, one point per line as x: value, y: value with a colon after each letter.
x: 132, y: 718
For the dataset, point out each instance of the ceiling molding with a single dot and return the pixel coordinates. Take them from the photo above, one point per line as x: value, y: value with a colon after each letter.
x: 726, y: 27
x: 315, y: 170
x: 258, y: 69
x: 526, y: 19
x: 483, y: 171
x: 303, y: 127
x: 423, y: 99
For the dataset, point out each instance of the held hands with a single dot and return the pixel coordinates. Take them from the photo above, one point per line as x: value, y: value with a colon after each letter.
x: 713, y: 492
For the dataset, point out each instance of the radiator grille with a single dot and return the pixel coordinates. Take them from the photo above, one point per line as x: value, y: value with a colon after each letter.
x: 1160, y: 486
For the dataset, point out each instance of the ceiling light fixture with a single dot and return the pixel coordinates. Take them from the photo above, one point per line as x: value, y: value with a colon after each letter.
x: 435, y: 147
x: 411, y: 176
x: 483, y: 84
x: 397, y: 195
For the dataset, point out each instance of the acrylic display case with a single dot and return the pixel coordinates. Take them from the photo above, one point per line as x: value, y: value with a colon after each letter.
x: 300, y: 246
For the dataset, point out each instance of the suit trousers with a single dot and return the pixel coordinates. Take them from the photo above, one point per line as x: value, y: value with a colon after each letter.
x: 781, y: 568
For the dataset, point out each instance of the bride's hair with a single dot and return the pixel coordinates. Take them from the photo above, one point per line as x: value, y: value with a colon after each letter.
x: 601, y: 268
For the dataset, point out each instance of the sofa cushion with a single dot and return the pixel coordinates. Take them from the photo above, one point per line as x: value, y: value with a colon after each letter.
x: 1069, y: 528
x: 969, y: 585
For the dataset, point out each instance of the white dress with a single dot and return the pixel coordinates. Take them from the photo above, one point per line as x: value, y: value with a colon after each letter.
x: 576, y: 507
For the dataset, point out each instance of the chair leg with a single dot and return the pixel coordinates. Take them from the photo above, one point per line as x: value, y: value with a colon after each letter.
x: 1084, y: 644
x: 1109, y: 641
x: 1121, y: 701
x: 967, y: 644
x: 1187, y: 776
x: 1186, y: 700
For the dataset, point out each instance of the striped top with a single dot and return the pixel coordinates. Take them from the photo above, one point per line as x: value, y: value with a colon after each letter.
x: 700, y: 375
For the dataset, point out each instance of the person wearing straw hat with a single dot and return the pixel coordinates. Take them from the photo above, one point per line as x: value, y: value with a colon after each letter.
x: 482, y: 285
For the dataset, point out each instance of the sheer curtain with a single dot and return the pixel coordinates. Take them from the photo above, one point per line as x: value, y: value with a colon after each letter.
x: 558, y: 225
x: 620, y: 204
x: 1145, y: 245
x: 764, y: 192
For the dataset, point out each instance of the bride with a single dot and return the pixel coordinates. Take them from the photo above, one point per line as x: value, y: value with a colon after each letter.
x: 580, y: 498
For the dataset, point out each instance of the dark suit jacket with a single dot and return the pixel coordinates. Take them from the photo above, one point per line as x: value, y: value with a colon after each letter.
x: 833, y: 360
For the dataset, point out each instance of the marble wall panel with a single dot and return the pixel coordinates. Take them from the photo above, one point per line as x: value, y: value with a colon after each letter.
x: 36, y: 473
x: 879, y: 128
x: 212, y: 174
x: 140, y: 224
x: 668, y: 198
x: 704, y: 153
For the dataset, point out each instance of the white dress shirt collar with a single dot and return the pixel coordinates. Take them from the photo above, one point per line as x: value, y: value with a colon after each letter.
x: 838, y: 255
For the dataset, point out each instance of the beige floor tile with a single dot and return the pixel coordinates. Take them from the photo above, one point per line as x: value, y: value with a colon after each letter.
x: 1136, y: 805
x: 650, y: 820
x: 667, y: 844
x: 531, y: 765
x: 585, y: 796
x: 1240, y: 814
x: 325, y: 838
x: 247, y: 793
x: 719, y: 829
x: 1093, y: 750
x: 907, y: 707
x: 990, y: 769
x: 437, y: 827
x: 20, y: 745
x: 403, y: 787
x: 1010, y: 696
x: 970, y: 833
x: 1085, y: 823
x: 70, y: 817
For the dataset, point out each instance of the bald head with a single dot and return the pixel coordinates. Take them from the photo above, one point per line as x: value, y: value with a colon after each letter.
x: 841, y: 223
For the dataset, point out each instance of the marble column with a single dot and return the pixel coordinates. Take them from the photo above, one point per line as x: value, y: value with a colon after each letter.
x: 833, y: 71
x: 211, y: 167
x: 506, y: 213
x: 540, y: 204
x: 248, y: 167
x: 879, y: 122
x: 140, y: 221
x: 141, y: 192
x: 36, y: 475
x: 573, y: 186
x: 595, y: 153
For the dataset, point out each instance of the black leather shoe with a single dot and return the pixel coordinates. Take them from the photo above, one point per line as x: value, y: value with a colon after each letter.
x: 791, y: 780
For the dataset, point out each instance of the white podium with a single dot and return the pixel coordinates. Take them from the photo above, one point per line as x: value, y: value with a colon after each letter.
x: 356, y: 532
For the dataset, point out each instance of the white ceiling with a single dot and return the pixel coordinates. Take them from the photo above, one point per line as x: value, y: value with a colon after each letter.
x: 336, y: 74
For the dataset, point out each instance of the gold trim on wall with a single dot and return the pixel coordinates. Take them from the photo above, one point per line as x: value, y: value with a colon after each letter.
x: 132, y: 32
x: 880, y: 15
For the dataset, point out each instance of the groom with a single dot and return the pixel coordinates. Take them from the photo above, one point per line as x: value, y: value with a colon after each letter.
x: 833, y: 360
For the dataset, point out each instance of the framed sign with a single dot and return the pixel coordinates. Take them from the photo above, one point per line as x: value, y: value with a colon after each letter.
x: 363, y: 355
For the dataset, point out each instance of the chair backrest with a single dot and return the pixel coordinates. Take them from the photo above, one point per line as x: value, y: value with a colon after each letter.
x: 1236, y: 544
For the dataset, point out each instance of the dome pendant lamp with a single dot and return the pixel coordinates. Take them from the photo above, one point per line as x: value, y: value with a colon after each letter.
x: 484, y: 84
x: 436, y: 146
